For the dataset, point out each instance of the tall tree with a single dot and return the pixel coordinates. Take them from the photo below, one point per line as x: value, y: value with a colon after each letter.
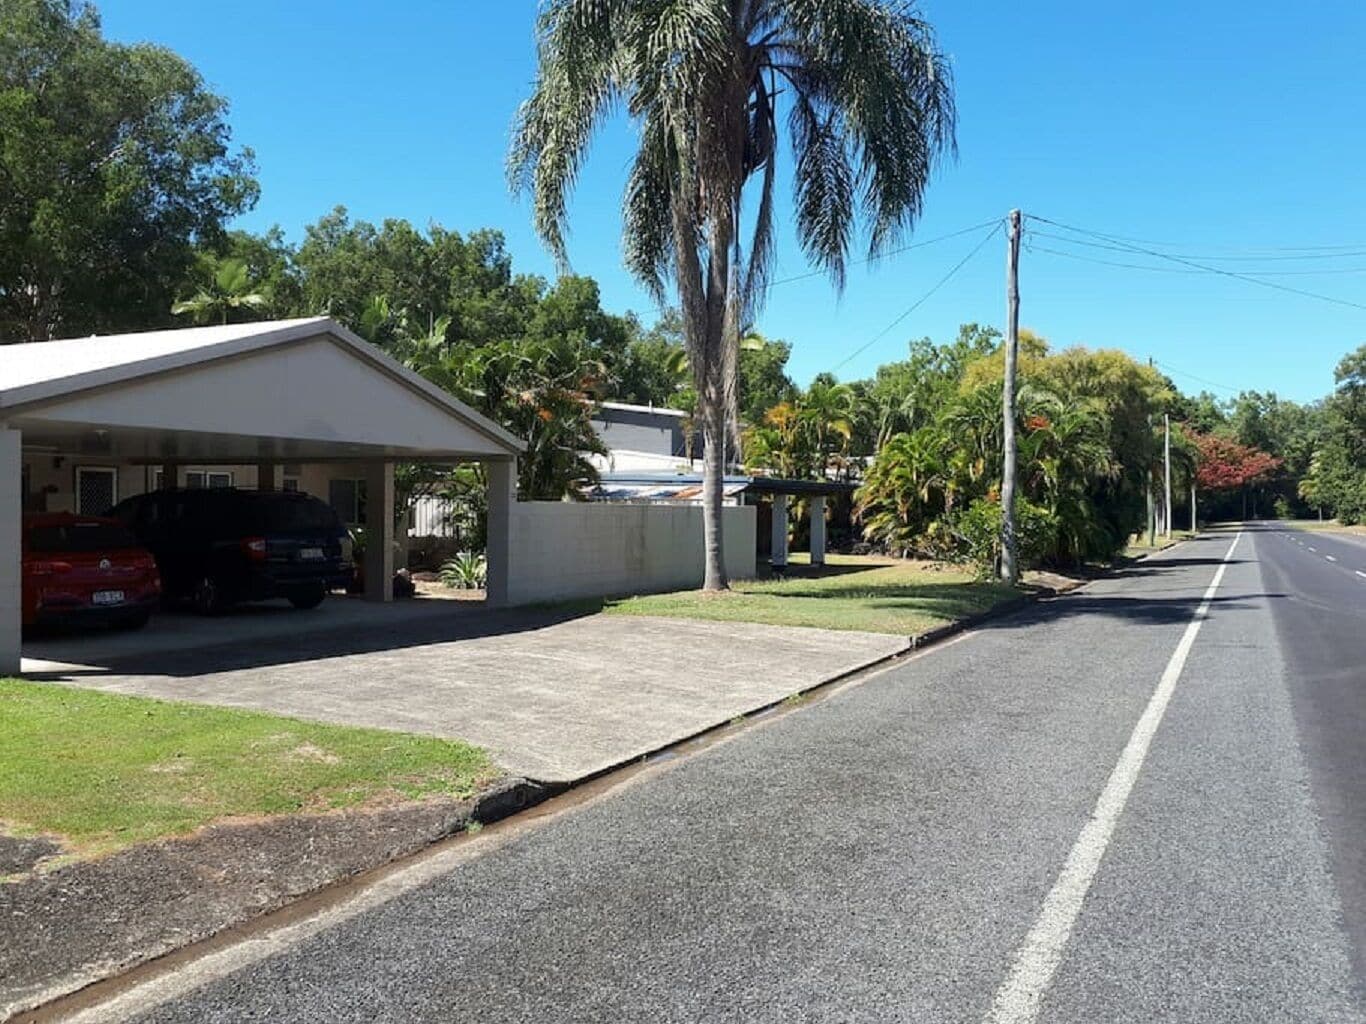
x: 869, y: 109
x: 114, y: 160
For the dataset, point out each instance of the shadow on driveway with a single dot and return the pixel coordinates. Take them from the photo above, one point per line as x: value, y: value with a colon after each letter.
x: 184, y: 645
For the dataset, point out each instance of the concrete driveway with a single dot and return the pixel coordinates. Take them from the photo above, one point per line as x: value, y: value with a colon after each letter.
x: 553, y: 695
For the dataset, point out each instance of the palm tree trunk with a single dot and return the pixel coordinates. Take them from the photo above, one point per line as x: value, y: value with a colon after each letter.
x: 713, y: 474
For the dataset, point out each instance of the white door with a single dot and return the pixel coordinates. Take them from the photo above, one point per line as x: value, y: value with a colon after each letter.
x: 97, y: 489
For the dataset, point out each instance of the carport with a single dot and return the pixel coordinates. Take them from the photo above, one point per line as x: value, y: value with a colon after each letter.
x: 290, y: 391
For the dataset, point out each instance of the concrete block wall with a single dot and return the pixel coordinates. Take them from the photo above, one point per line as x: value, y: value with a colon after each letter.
x: 561, y: 550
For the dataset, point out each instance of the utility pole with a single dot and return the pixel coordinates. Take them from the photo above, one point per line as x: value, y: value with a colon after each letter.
x: 1010, y: 564
x: 1167, y: 474
x: 1148, y: 474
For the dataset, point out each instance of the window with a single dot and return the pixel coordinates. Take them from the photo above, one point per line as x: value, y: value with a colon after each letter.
x: 289, y: 483
x: 348, y: 498
x: 198, y: 479
x: 84, y: 538
x: 97, y: 489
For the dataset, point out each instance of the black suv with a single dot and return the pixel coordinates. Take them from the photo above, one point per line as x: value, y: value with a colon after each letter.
x: 217, y: 546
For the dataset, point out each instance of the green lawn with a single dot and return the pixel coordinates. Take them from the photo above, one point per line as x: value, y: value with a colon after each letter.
x: 103, y: 770
x: 878, y: 595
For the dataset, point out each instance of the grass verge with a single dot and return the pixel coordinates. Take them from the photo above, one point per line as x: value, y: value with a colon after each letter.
x: 852, y: 592
x: 103, y: 770
x: 1138, y: 544
x: 1330, y: 525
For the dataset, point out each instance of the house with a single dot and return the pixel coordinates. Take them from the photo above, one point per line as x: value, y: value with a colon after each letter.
x: 645, y: 438
x: 299, y: 404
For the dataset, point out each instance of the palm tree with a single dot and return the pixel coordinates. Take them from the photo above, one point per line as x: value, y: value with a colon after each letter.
x: 828, y: 408
x: 868, y: 100
x: 229, y: 292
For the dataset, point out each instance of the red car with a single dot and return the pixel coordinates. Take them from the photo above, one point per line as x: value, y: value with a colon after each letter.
x: 79, y: 569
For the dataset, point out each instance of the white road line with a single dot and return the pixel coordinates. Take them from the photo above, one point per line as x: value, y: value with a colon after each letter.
x: 1037, y: 959
x: 1360, y: 573
x: 1313, y: 549
x: 1330, y: 558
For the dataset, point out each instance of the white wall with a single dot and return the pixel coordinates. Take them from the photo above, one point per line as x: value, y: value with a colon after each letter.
x: 563, y: 549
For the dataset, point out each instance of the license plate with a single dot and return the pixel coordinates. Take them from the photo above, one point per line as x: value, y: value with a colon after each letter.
x: 107, y: 597
x: 311, y: 554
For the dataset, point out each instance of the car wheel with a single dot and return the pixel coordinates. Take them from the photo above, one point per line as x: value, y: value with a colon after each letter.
x: 308, y: 598
x: 135, y: 620
x: 207, y: 597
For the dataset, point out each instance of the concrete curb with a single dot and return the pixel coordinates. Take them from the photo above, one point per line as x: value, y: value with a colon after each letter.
x: 555, y: 788
x: 1023, y: 601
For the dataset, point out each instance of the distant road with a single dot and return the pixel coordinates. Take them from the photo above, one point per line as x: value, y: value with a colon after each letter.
x: 1142, y: 802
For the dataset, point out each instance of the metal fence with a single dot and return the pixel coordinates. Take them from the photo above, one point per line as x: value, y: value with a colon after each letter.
x: 434, y: 516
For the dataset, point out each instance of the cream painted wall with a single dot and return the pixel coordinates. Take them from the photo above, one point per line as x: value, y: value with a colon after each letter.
x: 59, y: 480
x: 562, y: 550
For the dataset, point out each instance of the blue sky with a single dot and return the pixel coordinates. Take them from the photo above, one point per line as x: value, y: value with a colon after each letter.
x: 1219, y: 129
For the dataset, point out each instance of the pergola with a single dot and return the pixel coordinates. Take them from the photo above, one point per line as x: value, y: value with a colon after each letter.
x: 299, y: 391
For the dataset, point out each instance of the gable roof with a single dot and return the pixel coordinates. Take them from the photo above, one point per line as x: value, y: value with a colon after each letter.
x: 39, y: 372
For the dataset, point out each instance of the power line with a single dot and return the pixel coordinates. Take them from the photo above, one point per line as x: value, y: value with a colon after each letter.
x: 1181, y: 270
x: 1202, y: 380
x: 1124, y: 247
x: 891, y: 252
x: 1229, y: 248
x: 1198, y: 266
x: 996, y: 227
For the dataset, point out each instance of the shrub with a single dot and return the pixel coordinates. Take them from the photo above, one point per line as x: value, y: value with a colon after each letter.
x: 976, y: 534
x: 466, y: 571
x: 1282, y: 508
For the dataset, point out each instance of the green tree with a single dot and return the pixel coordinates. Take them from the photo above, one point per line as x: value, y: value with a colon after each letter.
x: 114, y: 161
x: 869, y: 108
x: 1339, y: 478
x: 343, y: 265
x: 763, y: 379
x: 226, y: 293
x: 653, y: 370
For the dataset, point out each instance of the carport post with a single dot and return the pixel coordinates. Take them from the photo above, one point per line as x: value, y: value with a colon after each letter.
x: 379, y: 531
x: 11, y: 511
x: 818, y: 530
x: 501, y: 475
x: 777, y: 556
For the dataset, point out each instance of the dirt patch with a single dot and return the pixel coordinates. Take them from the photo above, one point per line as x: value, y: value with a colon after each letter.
x: 428, y: 586
x: 65, y: 928
x: 312, y: 752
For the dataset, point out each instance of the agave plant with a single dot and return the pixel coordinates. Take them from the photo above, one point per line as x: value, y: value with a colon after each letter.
x: 466, y: 571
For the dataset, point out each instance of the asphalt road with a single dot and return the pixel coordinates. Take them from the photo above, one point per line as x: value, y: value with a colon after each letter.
x: 1094, y: 811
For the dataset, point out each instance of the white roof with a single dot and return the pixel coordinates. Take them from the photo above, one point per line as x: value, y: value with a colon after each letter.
x: 660, y: 410
x: 623, y: 460
x: 43, y: 361
x: 43, y: 371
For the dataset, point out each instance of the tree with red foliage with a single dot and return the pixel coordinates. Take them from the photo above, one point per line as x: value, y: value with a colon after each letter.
x: 1224, y: 465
